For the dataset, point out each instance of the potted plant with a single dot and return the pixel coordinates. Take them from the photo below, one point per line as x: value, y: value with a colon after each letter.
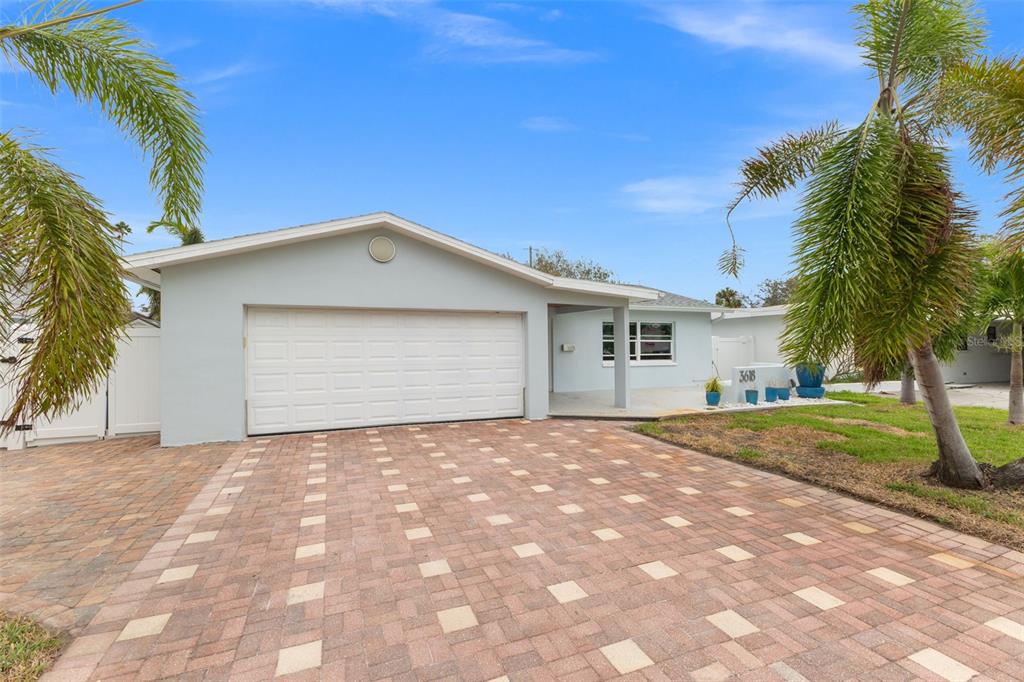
x: 771, y: 393
x: 713, y: 391
x: 782, y: 390
x: 751, y: 394
x: 810, y: 375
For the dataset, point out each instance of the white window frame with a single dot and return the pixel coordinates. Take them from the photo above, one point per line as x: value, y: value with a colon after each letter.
x: 636, y: 361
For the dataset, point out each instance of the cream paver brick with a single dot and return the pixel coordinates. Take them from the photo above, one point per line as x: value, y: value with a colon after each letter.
x: 790, y: 502
x: 626, y: 657
x: 205, y: 536
x: 418, y: 533
x: 300, y: 657
x: 951, y: 560
x: 687, y: 490
x: 429, y: 569
x: 819, y: 597
x: 478, y: 497
x: 398, y: 487
x: 406, y: 507
x: 455, y: 619
x: 802, y: 538
x: 632, y: 498
x: 599, y: 481
x: 306, y: 551
x: 890, y: 576
x: 171, y: 575
x: 528, y: 549
x: 676, y: 521
x: 732, y: 623
x: 735, y: 553
x: 304, y: 593
x: 658, y: 570
x: 542, y: 488
x: 314, y: 497
x: 144, y: 627
x: 942, y: 665
x: 312, y: 521
x: 499, y: 519
x: 607, y: 534
x: 567, y: 592
x: 1008, y: 627
x: 570, y: 508
x: 738, y: 511
x: 862, y: 528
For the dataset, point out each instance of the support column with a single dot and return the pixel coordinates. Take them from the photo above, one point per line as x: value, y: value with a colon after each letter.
x: 620, y: 320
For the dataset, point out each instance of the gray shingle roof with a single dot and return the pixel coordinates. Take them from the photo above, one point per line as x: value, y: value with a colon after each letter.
x: 670, y: 300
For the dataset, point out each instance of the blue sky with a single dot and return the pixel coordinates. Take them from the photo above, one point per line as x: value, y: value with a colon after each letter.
x: 610, y: 130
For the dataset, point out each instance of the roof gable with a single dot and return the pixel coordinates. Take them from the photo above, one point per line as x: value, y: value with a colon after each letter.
x: 144, y: 268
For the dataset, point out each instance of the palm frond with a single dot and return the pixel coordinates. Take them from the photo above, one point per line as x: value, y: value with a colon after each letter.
x: 846, y: 217
x: 98, y: 59
x: 910, y: 44
x: 772, y: 171
x: 986, y: 98
x: 66, y: 281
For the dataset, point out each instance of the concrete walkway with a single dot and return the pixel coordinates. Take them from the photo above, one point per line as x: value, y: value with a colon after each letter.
x: 976, y: 395
x: 545, y: 550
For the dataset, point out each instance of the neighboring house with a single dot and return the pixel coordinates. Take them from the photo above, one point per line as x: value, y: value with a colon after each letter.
x: 377, y: 320
x: 751, y: 335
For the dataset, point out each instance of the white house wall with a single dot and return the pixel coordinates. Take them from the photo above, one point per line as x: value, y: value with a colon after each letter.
x: 980, y: 363
x: 583, y: 369
x: 203, y: 315
x: 764, y: 330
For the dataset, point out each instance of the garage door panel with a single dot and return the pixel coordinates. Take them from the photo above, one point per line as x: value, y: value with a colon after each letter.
x: 313, y: 369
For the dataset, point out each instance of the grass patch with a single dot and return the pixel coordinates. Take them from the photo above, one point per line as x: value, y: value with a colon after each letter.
x: 748, y: 453
x: 976, y: 504
x: 874, y: 448
x: 985, y: 429
x: 26, y: 649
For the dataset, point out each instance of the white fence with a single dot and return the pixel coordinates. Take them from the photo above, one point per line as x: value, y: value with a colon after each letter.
x: 127, y: 402
x: 731, y: 351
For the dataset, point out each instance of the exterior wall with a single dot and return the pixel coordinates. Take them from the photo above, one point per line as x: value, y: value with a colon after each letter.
x: 980, y: 363
x: 203, y: 304
x: 765, y: 331
x: 583, y: 369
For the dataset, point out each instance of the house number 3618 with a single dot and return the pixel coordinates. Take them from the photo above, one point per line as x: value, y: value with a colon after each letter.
x: 748, y: 376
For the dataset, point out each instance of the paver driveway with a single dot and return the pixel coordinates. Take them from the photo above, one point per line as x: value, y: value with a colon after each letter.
x: 76, y: 519
x: 540, y: 551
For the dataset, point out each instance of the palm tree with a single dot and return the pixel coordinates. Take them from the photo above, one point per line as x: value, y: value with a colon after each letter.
x: 1002, y: 298
x: 885, y: 248
x: 60, y: 272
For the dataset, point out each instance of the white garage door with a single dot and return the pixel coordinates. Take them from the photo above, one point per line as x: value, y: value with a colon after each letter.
x: 311, y: 369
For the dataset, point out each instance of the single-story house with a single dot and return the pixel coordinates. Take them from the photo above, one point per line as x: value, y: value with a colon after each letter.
x: 743, y: 336
x: 376, y: 320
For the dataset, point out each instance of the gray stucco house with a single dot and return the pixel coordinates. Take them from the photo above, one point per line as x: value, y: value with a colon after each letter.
x: 377, y: 320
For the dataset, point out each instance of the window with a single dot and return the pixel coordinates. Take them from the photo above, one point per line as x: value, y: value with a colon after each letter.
x: 654, y: 342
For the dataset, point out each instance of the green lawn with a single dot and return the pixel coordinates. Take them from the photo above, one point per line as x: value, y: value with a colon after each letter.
x: 26, y: 649
x: 988, y: 435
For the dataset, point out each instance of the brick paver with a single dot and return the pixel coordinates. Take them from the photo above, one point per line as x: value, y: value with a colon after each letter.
x: 76, y: 519
x: 548, y: 551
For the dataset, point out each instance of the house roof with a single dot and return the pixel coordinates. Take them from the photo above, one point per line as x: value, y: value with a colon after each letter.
x: 671, y: 301
x: 764, y: 311
x: 144, y: 268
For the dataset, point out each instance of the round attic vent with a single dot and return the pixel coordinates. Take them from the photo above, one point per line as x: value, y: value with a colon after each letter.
x: 382, y: 249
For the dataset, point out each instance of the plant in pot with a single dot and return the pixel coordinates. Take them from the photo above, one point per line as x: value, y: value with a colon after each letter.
x: 810, y: 375
x: 713, y: 391
x: 782, y: 390
x: 771, y: 392
x: 751, y: 394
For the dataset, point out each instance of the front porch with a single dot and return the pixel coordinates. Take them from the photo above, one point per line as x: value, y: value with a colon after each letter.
x: 645, y: 403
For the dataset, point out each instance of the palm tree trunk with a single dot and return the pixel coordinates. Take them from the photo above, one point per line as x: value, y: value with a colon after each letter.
x: 1016, y: 415
x: 908, y: 394
x: 956, y: 466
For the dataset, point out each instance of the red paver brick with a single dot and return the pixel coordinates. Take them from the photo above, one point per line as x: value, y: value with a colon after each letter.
x: 378, y: 615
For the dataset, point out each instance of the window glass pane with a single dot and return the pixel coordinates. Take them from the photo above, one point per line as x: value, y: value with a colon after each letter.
x: 608, y: 349
x: 608, y: 330
x: 656, y: 330
x: 656, y: 350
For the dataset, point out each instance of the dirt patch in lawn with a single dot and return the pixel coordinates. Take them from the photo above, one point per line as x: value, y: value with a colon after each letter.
x: 996, y: 515
x: 884, y: 428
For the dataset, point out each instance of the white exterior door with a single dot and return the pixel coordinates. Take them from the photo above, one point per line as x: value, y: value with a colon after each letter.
x: 312, y: 369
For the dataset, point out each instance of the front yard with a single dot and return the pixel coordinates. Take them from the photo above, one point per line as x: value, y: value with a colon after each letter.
x: 26, y: 649
x: 875, y: 448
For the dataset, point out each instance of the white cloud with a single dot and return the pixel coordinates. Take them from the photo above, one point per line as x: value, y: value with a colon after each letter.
x: 677, y: 195
x: 461, y: 36
x: 748, y: 26
x: 548, y: 124
x: 223, y: 73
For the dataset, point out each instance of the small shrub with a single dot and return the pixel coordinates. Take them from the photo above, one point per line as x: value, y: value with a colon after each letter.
x: 747, y: 453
